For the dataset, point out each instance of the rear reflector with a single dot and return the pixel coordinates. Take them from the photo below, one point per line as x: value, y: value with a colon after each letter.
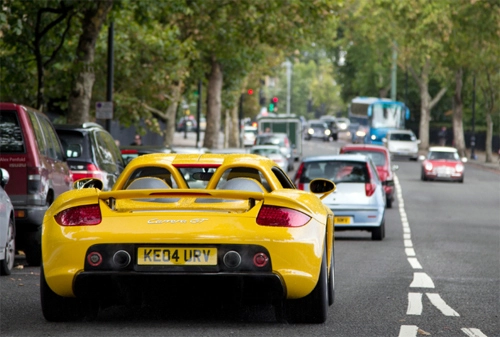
x: 87, y: 215
x: 281, y: 217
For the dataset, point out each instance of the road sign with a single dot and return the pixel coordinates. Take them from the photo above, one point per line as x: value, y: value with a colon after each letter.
x: 104, y: 110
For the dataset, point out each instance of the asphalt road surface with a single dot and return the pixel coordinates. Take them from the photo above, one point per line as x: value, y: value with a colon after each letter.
x: 437, y: 273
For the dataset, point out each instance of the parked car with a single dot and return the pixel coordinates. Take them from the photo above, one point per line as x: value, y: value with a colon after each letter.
x: 7, y: 227
x: 358, y: 202
x: 249, y: 134
x: 318, y: 129
x: 33, y: 155
x: 442, y: 163
x: 91, y: 152
x: 382, y: 160
x: 241, y: 240
x: 280, y: 139
x: 332, y: 124
x: 133, y: 151
x: 402, y: 143
x: 272, y: 152
x: 186, y: 124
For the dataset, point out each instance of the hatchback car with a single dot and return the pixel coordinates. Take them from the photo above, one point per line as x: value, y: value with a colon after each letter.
x: 442, y: 163
x: 382, y: 159
x: 7, y: 228
x: 318, y: 129
x: 33, y: 155
x: 402, y: 143
x: 91, y: 152
x: 359, y: 200
x: 272, y: 152
x: 280, y: 139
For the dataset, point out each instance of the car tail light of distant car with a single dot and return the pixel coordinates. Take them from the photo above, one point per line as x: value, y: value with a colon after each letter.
x: 297, y: 182
x: 281, y: 217
x: 34, y: 180
x: 90, y: 171
x: 87, y: 215
x: 370, y: 187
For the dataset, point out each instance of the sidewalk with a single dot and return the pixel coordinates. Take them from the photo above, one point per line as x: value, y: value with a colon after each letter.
x: 481, y: 158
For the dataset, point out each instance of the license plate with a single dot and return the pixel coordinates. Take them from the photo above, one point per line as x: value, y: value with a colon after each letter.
x: 177, y: 256
x: 342, y: 220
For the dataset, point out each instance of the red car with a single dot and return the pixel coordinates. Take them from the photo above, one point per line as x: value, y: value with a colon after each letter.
x: 442, y: 163
x: 382, y: 159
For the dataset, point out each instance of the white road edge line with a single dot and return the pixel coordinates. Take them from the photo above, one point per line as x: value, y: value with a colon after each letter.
x: 408, y: 331
x: 414, y: 304
x: 471, y: 332
x: 441, y: 305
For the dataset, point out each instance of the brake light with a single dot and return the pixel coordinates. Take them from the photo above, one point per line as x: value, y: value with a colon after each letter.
x: 87, y: 215
x: 281, y: 217
x: 34, y: 180
x: 370, y: 189
x: 91, y: 171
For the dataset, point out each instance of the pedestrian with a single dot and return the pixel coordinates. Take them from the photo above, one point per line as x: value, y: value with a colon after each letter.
x: 442, y: 136
x: 137, y: 140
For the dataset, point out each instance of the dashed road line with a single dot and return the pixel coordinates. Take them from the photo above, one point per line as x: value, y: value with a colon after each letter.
x: 421, y: 280
x: 441, y: 305
x: 471, y: 332
x: 414, y: 304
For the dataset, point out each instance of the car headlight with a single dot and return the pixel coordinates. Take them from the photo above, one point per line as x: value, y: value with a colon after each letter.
x: 360, y: 133
x: 428, y: 166
x: 310, y: 131
x: 373, y: 137
x: 327, y: 132
x: 459, y: 168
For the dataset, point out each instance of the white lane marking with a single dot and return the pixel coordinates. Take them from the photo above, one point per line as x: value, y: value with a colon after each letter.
x: 441, y: 305
x: 406, y: 230
x: 421, y: 280
x: 406, y: 236
x: 408, y: 331
x: 414, y: 304
x: 414, y: 263
x: 410, y: 251
x: 471, y: 332
x: 408, y: 243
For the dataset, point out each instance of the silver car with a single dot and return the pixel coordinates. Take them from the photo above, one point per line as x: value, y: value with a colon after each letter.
x: 272, y: 152
x: 7, y: 228
x: 359, y: 200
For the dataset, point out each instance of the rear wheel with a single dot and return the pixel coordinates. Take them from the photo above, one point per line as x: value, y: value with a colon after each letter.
x: 422, y: 176
x: 314, y: 307
x: 388, y: 203
x: 33, y: 249
x: 378, y: 233
x: 56, y: 308
x: 7, y: 263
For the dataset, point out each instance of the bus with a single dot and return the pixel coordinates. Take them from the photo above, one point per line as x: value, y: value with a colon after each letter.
x: 372, y: 117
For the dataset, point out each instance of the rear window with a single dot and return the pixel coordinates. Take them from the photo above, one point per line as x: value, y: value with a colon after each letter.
x: 337, y: 171
x: 73, y: 143
x: 405, y: 137
x: 11, y: 135
x: 270, y: 140
x: 377, y: 157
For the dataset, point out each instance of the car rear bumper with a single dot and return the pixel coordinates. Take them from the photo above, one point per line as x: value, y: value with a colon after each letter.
x: 359, y: 219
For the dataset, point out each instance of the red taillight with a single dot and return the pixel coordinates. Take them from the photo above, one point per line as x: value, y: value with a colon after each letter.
x: 91, y: 171
x: 300, y: 170
x: 260, y: 260
x: 281, y: 217
x: 370, y: 189
x: 87, y: 215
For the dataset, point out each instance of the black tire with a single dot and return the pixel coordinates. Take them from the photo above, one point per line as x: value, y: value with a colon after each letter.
x: 33, y: 248
x: 56, y: 308
x: 378, y: 233
x: 314, y: 307
x: 422, y: 176
x: 331, y: 281
x: 7, y: 264
x: 388, y: 203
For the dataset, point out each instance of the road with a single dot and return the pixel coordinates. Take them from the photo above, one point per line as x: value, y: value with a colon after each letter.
x: 436, y: 273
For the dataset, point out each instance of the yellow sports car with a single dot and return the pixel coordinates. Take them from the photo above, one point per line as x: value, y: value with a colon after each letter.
x: 232, y: 223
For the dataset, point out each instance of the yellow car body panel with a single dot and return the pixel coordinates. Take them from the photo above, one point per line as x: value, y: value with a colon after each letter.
x: 296, y: 252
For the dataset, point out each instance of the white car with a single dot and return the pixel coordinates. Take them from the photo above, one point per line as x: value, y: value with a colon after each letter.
x: 272, y: 152
x: 249, y: 134
x: 402, y: 143
x: 7, y: 228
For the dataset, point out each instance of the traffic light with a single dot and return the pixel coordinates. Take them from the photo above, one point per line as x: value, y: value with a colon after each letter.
x: 273, y: 105
x: 250, y: 91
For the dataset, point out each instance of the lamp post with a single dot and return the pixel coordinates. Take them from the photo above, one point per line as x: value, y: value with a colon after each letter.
x: 473, y: 137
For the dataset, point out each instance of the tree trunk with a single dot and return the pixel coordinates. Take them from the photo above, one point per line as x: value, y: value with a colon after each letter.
x: 489, y: 137
x: 458, y: 114
x: 176, y: 94
x: 213, y: 106
x: 81, y: 91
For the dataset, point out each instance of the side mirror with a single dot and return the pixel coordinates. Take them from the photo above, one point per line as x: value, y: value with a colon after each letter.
x: 421, y: 158
x: 4, y: 178
x: 88, y: 183
x: 323, y: 186
x: 394, y: 168
x: 464, y: 159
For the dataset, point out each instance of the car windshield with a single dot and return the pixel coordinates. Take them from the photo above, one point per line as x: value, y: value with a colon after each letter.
x: 442, y: 155
x: 405, y: 137
x: 377, y: 157
x: 265, y: 151
x: 337, y: 171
